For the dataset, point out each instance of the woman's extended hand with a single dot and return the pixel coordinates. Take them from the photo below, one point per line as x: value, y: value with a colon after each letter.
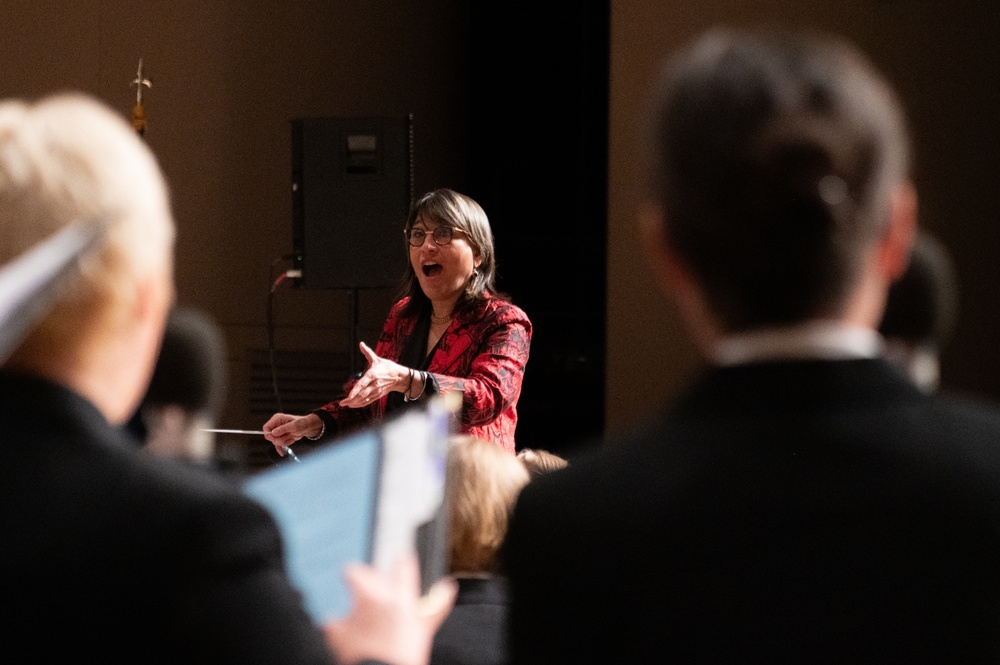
x: 283, y: 430
x: 382, y: 377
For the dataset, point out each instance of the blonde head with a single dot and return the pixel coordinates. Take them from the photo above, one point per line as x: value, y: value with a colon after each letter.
x: 483, y: 484
x: 65, y: 160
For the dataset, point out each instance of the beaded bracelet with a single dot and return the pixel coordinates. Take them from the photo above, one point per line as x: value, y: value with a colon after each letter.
x: 322, y: 431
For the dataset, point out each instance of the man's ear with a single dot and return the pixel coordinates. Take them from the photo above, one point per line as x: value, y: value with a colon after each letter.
x: 154, y: 298
x: 677, y: 280
x: 894, y: 251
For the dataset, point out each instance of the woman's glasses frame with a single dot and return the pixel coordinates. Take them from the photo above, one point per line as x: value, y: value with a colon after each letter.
x: 442, y: 235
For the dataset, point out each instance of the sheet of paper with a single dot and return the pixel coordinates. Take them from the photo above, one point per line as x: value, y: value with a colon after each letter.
x: 412, y: 491
x: 412, y: 485
x: 325, y: 508
x: 31, y: 283
x: 368, y: 497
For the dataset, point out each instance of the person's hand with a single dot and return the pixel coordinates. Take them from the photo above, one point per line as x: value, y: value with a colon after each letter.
x: 382, y: 377
x: 389, y: 621
x: 283, y: 430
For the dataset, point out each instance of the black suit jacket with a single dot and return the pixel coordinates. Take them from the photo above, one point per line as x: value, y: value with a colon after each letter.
x: 807, y: 511
x: 474, y: 633
x: 113, y: 555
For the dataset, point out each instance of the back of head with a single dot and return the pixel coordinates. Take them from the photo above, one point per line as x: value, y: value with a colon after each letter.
x: 190, y: 370
x: 540, y: 462
x: 775, y: 158
x: 922, y: 304
x: 187, y: 390
x: 920, y: 312
x: 483, y: 484
x: 64, y: 160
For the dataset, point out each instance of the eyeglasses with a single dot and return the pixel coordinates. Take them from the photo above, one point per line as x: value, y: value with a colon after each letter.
x: 442, y: 235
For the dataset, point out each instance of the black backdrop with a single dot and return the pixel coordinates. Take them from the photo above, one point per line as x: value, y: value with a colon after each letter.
x: 538, y: 135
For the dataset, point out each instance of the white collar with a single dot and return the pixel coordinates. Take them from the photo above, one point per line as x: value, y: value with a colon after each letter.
x: 824, y: 340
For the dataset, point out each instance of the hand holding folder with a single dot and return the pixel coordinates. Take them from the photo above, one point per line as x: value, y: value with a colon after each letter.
x: 388, y: 619
x: 373, y: 497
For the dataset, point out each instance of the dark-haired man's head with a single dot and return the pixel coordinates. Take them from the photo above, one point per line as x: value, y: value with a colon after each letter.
x: 920, y: 312
x: 190, y: 369
x: 779, y: 161
x: 187, y: 389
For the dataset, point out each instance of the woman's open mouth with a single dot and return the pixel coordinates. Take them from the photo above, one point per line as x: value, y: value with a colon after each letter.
x: 432, y: 269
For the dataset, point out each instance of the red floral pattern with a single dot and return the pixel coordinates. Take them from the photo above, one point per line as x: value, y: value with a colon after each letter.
x: 482, y: 352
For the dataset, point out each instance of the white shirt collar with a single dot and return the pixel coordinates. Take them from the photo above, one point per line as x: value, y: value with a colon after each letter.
x: 823, y: 340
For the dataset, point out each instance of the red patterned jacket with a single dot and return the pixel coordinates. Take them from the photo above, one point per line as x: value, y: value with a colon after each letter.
x: 487, y: 348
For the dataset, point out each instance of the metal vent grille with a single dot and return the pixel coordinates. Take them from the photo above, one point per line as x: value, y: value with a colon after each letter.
x: 306, y: 380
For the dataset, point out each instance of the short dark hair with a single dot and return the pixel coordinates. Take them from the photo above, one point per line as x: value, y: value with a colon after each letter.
x: 540, y: 462
x: 922, y: 305
x: 775, y: 154
x: 190, y: 370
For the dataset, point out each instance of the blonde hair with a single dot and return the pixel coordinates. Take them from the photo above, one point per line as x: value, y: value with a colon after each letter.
x: 483, y: 484
x: 65, y: 160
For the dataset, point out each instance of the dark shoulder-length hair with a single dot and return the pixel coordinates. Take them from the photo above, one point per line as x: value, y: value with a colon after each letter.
x: 446, y: 207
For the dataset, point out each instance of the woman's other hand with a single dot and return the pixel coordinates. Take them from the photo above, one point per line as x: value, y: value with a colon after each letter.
x: 381, y: 378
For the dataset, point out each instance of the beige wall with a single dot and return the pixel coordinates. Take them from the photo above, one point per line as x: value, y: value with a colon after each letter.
x: 945, y: 61
x: 227, y: 76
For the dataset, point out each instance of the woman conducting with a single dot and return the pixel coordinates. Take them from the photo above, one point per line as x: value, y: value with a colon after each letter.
x: 450, y: 332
